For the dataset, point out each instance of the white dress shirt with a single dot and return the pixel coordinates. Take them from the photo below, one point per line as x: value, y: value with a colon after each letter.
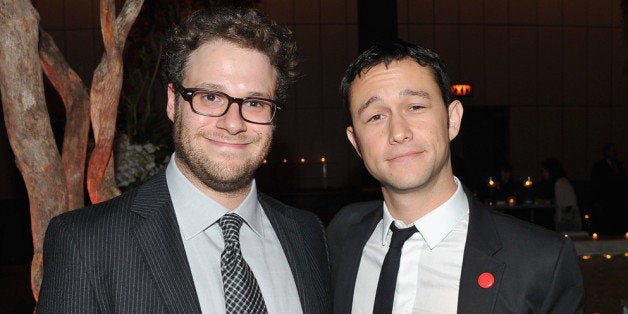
x: 431, y: 260
x: 198, y: 214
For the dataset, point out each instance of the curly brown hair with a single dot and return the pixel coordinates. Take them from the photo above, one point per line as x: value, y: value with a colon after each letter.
x: 246, y: 27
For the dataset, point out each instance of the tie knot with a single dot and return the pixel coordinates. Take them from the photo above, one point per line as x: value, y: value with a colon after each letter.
x: 230, y: 225
x: 400, y: 236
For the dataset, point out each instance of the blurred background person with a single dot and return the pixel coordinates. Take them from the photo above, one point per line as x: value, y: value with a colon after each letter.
x: 608, y: 180
x: 567, y: 216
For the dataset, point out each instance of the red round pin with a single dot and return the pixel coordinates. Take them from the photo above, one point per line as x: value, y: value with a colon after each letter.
x: 486, y: 280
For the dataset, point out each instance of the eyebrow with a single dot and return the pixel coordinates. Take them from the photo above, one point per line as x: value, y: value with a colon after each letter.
x: 366, y: 104
x: 405, y: 92
x: 411, y: 92
x: 221, y: 88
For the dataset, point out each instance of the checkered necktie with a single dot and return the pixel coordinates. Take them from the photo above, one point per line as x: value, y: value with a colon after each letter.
x: 242, y: 294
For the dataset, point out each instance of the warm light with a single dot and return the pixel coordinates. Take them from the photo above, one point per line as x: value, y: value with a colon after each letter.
x: 626, y: 254
x: 585, y: 257
x: 586, y: 217
x: 528, y: 182
x: 626, y: 236
x: 264, y: 161
x: 566, y: 235
x: 462, y: 89
x: 511, y: 201
x: 491, y: 182
x: 594, y: 236
x: 323, y: 160
x: 302, y: 160
x: 285, y: 161
x: 607, y: 256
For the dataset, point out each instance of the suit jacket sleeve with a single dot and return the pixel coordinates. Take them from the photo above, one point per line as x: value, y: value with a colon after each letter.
x: 566, y: 294
x: 66, y: 286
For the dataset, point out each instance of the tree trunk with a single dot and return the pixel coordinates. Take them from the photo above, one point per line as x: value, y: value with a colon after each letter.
x: 28, y: 122
x: 105, y: 94
x: 76, y: 100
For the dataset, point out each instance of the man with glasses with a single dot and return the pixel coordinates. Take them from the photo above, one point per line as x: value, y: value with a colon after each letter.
x: 199, y: 237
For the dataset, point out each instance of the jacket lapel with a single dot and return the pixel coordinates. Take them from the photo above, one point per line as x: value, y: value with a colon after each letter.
x: 158, y: 236
x: 348, y: 261
x: 482, y: 243
x: 310, y: 282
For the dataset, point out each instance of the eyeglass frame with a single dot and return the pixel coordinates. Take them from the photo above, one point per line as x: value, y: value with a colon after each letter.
x: 188, y: 95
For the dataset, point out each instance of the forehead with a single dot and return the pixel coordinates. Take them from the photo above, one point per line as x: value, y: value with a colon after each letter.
x: 226, y: 55
x: 395, y: 77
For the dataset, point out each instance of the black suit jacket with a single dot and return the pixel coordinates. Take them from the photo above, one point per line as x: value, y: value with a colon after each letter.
x: 535, y: 270
x: 126, y: 256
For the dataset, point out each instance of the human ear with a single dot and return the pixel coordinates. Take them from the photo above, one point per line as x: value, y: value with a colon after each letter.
x: 353, y: 140
x: 454, y: 111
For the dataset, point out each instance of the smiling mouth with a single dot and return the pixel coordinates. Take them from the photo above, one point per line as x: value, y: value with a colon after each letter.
x: 226, y: 143
x: 401, y: 157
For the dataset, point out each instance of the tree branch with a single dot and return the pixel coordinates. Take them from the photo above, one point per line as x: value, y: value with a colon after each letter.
x: 76, y: 100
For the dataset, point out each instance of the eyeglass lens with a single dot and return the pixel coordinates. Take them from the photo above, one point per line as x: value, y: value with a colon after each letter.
x: 216, y: 104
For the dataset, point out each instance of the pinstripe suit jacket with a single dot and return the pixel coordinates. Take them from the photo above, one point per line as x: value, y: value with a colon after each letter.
x: 126, y: 256
x: 535, y: 270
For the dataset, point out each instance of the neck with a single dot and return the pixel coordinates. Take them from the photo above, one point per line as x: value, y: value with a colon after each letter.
x: 409, y: 206
x: 229, y: 199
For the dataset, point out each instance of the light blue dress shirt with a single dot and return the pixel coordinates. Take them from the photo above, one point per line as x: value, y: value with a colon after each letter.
x: 198, y: 214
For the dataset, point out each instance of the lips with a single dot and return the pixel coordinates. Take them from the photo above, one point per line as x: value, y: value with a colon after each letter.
x: 403, y: 156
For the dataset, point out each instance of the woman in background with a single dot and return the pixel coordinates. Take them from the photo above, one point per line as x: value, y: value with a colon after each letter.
x: 567, y: 215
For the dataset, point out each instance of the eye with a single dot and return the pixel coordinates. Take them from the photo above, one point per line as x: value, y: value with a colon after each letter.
x: 254, y: 103
x: 374, y: 118
x: 210, y: 97
x: 416, y: 107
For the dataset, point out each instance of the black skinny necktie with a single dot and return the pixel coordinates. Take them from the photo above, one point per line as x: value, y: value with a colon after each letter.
x: 388, y: 276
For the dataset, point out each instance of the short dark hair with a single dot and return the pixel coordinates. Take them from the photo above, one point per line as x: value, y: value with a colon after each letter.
x: 387, y: 52
x: 245, y: 27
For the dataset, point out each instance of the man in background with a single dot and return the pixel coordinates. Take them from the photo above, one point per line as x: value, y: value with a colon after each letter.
x: 608, y: 182
x: 199, y: 237
x: 459, y: 256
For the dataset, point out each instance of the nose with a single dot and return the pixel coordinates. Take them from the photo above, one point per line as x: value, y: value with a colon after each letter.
x: 232, y: 121
x: 399, y: 130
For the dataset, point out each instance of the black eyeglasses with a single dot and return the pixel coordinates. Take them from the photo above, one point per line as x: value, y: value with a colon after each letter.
x: 213, y: 103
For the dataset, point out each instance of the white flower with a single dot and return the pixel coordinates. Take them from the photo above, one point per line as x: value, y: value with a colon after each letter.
x: 134, y: 163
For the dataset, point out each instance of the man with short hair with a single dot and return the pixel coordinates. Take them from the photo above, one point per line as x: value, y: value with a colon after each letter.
x: 430, y: 246
x: 199, y: 237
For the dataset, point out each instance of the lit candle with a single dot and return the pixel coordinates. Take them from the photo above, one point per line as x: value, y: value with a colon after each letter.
x: 594, y: 236
x: 585, y: 257
x: 324, y: 162
x: 491, y: 182
x: 626, y: 236
x: 586, y: 217
x: 511, y: 201
x: 528, y: 182
x: 302, y: 160
x: 285, y: 161
x: 607, y: 256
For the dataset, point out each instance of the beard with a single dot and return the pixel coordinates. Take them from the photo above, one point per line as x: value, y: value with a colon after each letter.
x: 221, y: 176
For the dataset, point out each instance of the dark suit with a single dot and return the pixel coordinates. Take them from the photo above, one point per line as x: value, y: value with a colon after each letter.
x: 126, y: 256
x: 535, y: 270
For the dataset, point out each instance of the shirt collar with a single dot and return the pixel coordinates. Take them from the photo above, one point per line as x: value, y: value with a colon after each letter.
x: 438, y: 223
x: 196, y: 211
